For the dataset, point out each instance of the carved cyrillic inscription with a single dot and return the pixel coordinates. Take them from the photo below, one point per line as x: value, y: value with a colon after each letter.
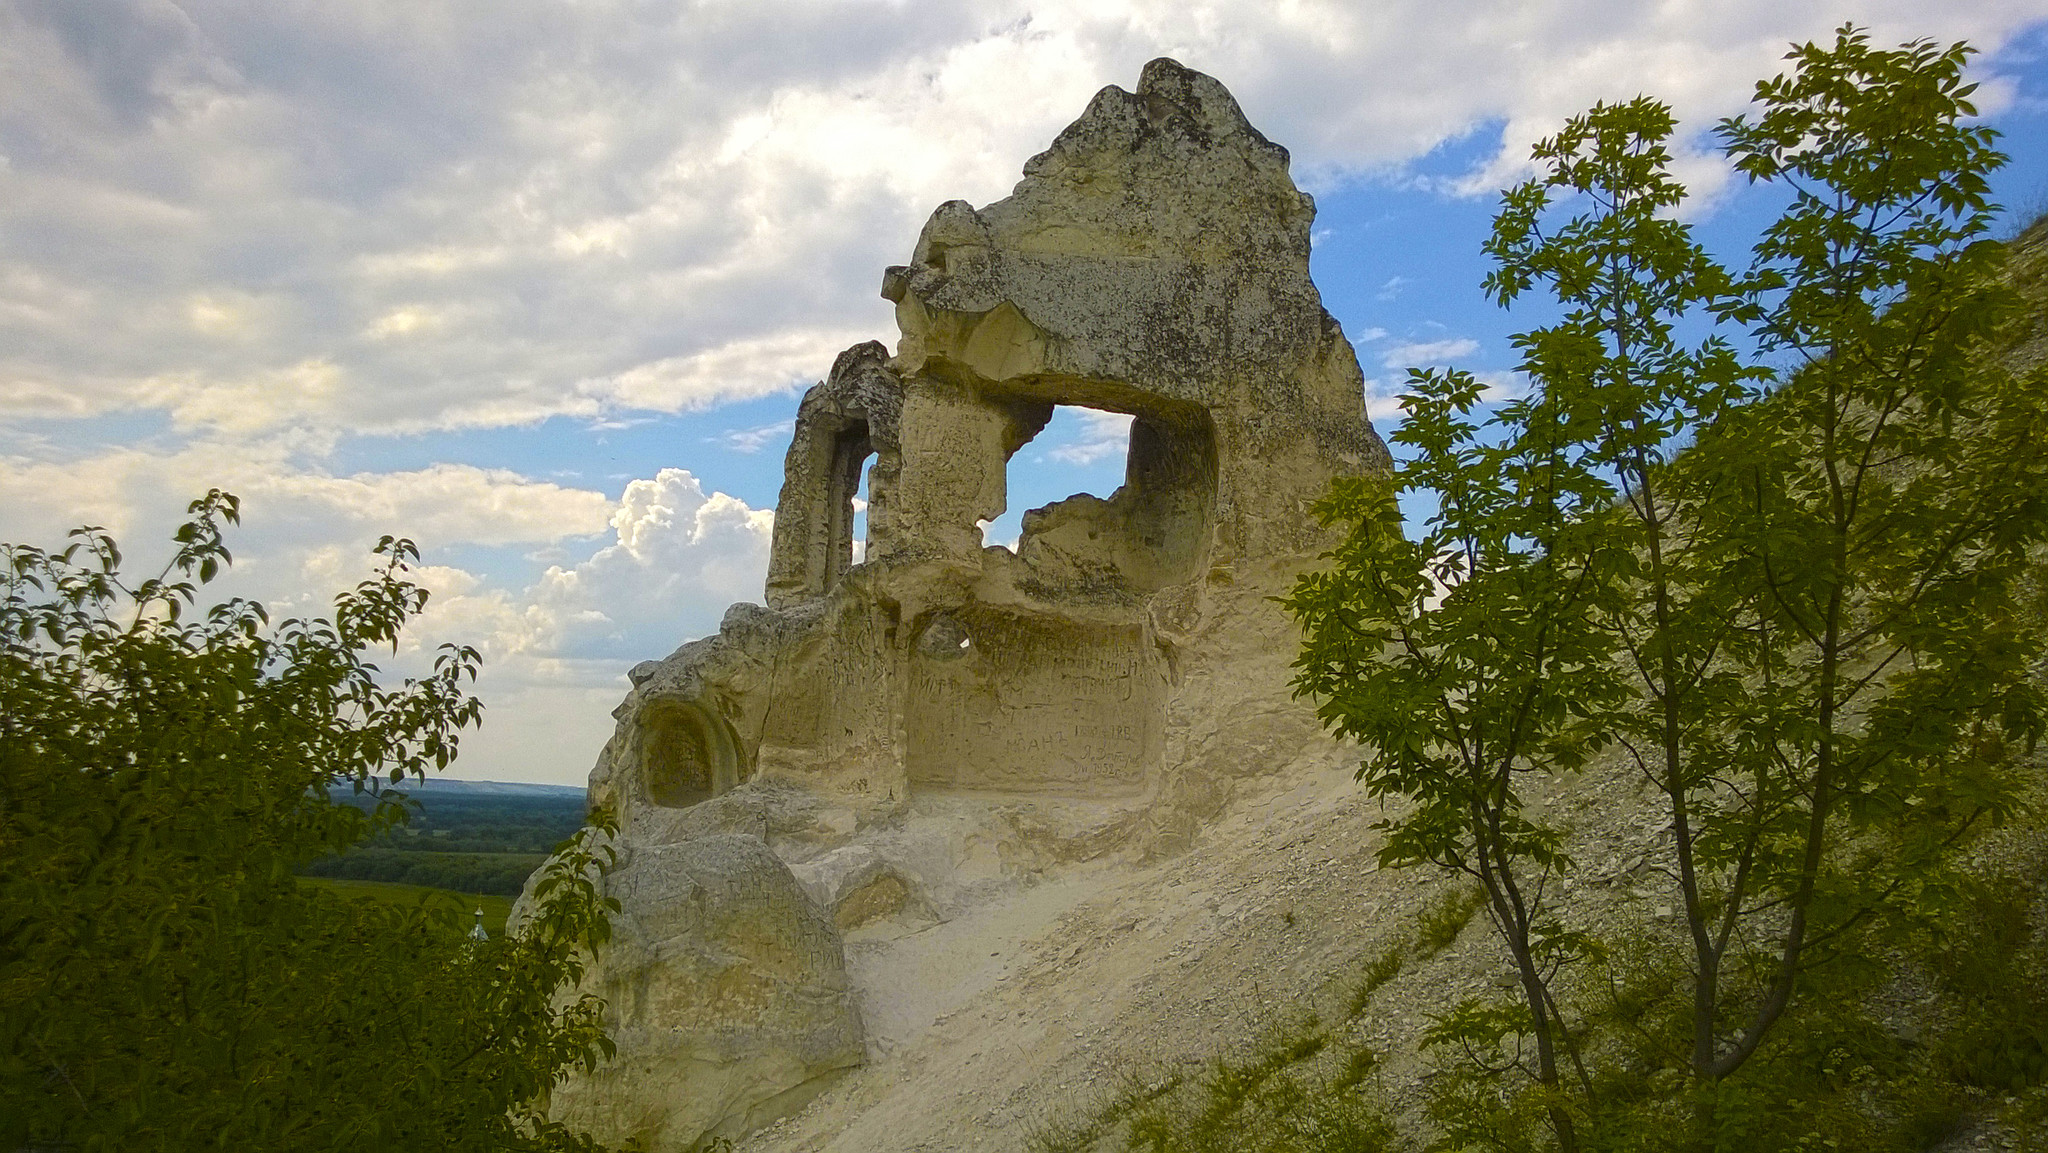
x: 830, y: 704
x: 1034, y: 703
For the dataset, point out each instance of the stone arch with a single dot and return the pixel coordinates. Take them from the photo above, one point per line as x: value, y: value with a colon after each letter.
x: 688, y: 753
x: 842, y: 424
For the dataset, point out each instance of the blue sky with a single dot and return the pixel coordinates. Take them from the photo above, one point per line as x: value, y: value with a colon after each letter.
x: 540, y: 285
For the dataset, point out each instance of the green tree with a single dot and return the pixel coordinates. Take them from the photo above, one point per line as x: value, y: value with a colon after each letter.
x: 165, y: 982
x: 1546, y: 512
x: 1628, y: 273
x: 1792, y: 597
x: 1867, y: 535
x: 1463, y: 661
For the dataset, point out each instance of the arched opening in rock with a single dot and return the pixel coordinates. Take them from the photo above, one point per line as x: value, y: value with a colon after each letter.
x: 859, y: 551
x: 852, y: 449
x: 687, y: 754
x: 1022, y: 694
x: 1080, y: 452
x: 1146, y: 468
x: 817, y: 519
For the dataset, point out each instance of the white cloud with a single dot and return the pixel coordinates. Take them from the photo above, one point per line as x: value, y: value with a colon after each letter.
x: 543, y: 732
x: 981, y: 528
x: 679, y: 557
x: 1103, y: 435
x: 302, y: 530
x: 674, y: 558
x: 1425, y: 353
x: 749, y: 441
x: 306, y: 535
x: 1383, y: 394
x: 1499, y: 386
x: 739, y: 370
x: 406, y: 320
x: 302, y: 393
x: 439, y: 211
x: 671, y: 558
x: 253, y: 231
x: 1383, y: 399
x: 555, y: 651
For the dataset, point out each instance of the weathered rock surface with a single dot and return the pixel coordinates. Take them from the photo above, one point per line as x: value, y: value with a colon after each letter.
x: 726, y: 990
x: 945, y: 721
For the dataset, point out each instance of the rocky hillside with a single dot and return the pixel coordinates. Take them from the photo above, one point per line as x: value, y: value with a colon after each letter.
x: 1031, y: 1007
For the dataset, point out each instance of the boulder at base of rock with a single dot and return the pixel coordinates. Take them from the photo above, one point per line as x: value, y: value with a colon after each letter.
x: 726, y: 994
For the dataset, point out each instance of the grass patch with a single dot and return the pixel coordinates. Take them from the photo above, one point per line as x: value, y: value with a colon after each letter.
x: 1435, y: 929
x: 1275, y: 1098
x: 496, y: 908
x: 1439, y: 925
x: 1378, y: 972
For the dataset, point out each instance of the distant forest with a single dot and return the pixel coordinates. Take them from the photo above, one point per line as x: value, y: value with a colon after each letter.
x: 464, y: 836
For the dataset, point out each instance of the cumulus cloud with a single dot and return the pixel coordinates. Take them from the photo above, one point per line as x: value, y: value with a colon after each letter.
x: 679, y: 557
x: 555, y: 651
x: 672, y: 558
x: 656, y: 568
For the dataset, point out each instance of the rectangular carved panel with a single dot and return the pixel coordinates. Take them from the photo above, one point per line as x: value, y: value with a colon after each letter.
x: 1033, y: 704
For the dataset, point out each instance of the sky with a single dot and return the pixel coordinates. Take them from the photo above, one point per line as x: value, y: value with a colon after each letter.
x: 539, y: 284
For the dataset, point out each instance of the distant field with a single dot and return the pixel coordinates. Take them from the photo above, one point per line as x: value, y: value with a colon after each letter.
x: 496, y: 908
x: 501, y: 873
x: 462, y: 836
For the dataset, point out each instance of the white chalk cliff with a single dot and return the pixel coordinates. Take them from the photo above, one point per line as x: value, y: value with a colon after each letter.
x: 810, y: 798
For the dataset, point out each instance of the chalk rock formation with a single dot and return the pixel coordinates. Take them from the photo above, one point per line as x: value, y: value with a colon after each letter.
x: 727, y: 991
x: 1098, y: 689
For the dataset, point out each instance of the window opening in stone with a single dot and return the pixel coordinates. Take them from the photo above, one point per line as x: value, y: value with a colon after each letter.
x: 860, y: 512
x: 1081, y: 450
x: 852, y: 450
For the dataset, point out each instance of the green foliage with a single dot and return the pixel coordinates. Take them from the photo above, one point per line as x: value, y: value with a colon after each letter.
x: 1439, y: 925
x: 1833, y: 1074
x: 165, y: 982
x: 1486, y: 651
x: 497, y: 909
x: 1824, y: 1079
x: 1436, y: 928
x: 1991, y: 963
x: 1268, y: 1101
x: 1475, y: 1107
x: 1798, y: 600
x: 1866, y: 539
x: 1458, y: 661
x: 1378, y: 972
x: 1830, y: 1076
